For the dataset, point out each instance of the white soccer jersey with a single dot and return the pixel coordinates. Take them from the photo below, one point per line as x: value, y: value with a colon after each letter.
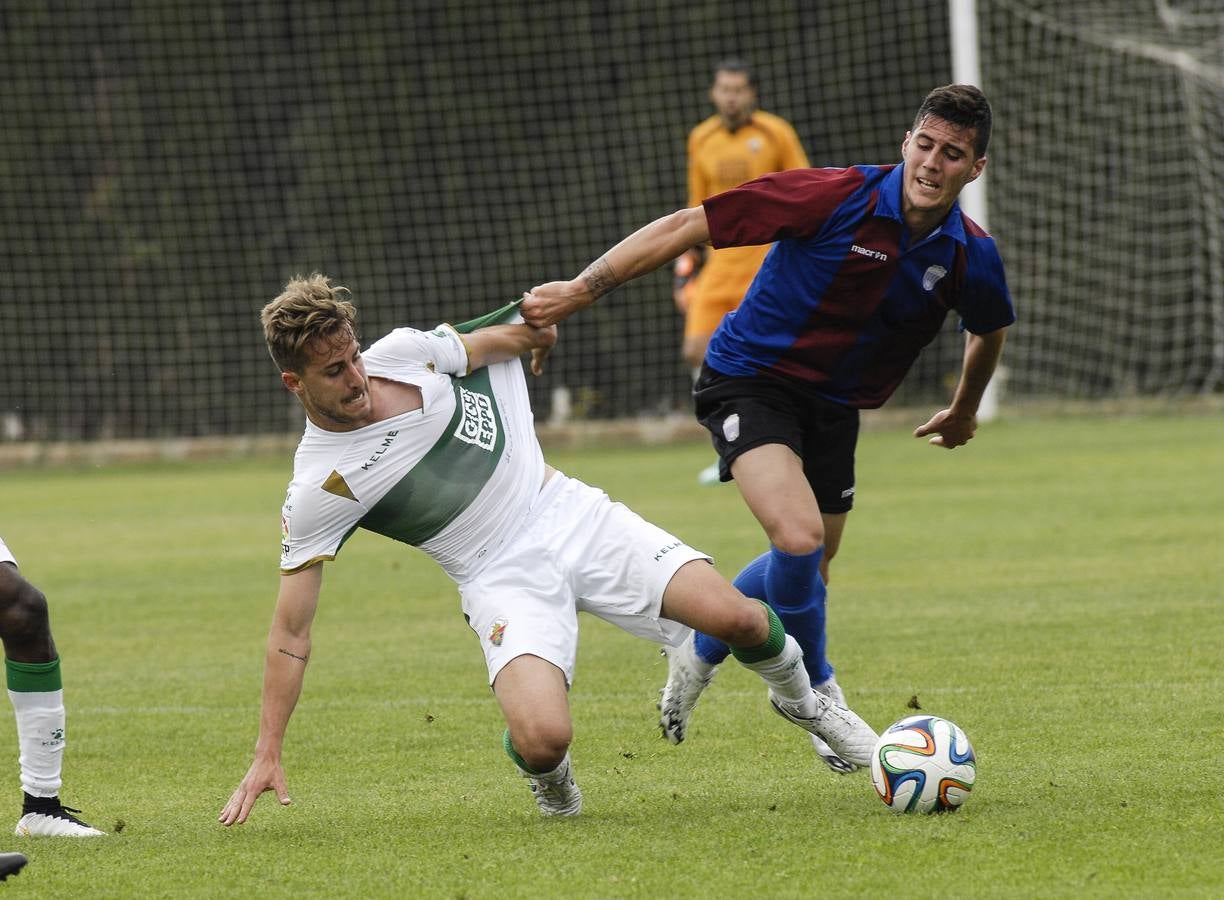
x: 455, y: 478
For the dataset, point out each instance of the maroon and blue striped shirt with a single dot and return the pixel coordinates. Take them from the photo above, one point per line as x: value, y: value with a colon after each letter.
x: 843, y: 303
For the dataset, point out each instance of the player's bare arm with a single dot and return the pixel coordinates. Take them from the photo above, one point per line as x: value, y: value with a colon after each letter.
x: 284, y: 669
x: 501, y: 342
x: 643, y: 251
x: 599, y: 277
x: 956, y: 425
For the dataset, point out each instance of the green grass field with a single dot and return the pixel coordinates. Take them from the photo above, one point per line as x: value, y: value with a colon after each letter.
x: 1056, y: 588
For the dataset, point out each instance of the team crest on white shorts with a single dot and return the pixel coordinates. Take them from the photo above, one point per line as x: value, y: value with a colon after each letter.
x: 498, y: 632
x: 478, y: 425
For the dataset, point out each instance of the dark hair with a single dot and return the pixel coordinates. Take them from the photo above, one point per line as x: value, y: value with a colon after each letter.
x: 961, y: 105
x: 736, y: 66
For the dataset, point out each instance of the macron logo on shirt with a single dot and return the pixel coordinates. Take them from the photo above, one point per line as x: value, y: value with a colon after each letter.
x: 867, y: 251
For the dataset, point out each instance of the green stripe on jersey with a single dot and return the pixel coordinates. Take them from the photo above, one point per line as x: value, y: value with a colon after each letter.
x: 497, y: 317
x: 451, y: 474
x: 774, y: 644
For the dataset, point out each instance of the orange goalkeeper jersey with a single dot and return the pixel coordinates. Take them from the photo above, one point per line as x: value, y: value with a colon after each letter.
x: 719, y: 160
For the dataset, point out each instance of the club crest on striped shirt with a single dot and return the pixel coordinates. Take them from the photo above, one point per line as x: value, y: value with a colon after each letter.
x: 931, y: 276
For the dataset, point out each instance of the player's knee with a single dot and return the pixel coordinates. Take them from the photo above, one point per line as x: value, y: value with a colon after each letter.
x: 23, y: 613
x: 542, y: 743
x: 745, y: 625
x: 798, y: 538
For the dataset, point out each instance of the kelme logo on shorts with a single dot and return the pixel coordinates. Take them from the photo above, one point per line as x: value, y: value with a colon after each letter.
x: 478, y: 425
x: 663, y: 551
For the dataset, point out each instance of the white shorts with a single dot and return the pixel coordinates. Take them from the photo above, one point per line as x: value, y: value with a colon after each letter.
x: 5, y: 554
x: 577, y: 552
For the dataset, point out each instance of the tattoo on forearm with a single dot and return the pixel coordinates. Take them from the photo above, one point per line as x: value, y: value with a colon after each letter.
x: 599, y: 277
x: 290, y: 653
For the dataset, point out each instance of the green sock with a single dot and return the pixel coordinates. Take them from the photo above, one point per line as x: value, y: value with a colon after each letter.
x: 514, y: 755
x: 33, y: 677
x: 37, y: 694
x: 773, y: 644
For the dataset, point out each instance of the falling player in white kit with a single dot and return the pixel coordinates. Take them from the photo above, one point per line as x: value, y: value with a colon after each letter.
x: 428, y: 438
x: 35, y: 687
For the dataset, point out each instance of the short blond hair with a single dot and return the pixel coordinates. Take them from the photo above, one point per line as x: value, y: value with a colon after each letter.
x: 306, y: 310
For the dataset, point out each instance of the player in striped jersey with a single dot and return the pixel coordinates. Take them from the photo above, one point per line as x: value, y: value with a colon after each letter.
x: 867, y: 263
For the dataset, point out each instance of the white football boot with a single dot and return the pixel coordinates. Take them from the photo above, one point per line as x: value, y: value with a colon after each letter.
x: 833, y: 691
x: 687, y: 676
x: 47, y: 817
x: 846, y: 734
x: 556, y: 792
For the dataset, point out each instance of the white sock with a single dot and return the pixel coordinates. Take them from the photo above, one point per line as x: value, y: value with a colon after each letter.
x: 557, y: 775
x: 703, y: 668
x: 788, y: 679
x: 40, y: 738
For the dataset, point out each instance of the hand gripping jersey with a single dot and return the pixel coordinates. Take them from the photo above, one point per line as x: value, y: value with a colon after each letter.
x: 454, y: 478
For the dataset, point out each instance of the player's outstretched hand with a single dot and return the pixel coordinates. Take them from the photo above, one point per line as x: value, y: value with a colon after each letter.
x: 548, y: 304
x: 950, y: 430
x: 262, y: 776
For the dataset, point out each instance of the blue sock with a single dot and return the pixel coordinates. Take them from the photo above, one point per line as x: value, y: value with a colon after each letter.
x: 797, y: 594
x: 712, y: 650
x: 751, y: 583
x: 793, y: 588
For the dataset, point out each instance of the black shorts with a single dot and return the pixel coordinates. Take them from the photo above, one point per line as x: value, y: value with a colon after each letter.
x: 743, y: 412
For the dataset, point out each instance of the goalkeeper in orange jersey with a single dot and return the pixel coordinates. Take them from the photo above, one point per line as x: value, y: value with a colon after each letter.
x: 736, y: 144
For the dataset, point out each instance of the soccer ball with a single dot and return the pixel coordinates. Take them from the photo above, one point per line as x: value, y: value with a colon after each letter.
x: 923, y: 764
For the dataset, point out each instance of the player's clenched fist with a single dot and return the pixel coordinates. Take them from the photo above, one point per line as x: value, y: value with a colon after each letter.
x: 550, y: 303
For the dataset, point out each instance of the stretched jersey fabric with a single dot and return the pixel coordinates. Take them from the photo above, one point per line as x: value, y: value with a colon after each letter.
x: 844, y: 302
x: 455, y: 478
x: 720, y: 159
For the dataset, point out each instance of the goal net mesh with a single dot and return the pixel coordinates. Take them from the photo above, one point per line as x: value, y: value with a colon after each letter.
x: 167, y: 165
x: 1106, y: 192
